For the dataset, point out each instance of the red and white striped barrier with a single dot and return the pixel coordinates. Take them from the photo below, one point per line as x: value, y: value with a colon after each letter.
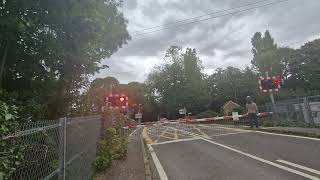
x: 156, y: 123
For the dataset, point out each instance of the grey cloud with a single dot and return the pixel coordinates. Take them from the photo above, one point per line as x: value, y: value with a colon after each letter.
x: 130, y: 4
x: 219, y: 42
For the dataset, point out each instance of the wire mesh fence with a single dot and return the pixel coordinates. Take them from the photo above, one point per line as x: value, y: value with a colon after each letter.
x: 56, y: 149
x: 297, y: 112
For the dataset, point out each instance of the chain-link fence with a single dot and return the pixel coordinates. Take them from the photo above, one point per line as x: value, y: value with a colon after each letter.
x: 299, y: 111
x: 57, y: 149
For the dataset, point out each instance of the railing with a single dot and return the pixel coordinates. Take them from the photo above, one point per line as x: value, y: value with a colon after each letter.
x: 57, y: 149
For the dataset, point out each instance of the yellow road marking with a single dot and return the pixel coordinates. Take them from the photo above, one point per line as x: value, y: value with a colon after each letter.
x: 163, y: 132
x: 146, y: 136
x: 167, y: 137
x: 226, y: 128
x: 175, y: 134
x: 201, y: 132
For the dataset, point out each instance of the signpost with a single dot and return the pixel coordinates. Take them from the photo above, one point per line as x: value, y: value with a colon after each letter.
x: 235, y: 116
x: 138, y: 116
x: 183, y: 112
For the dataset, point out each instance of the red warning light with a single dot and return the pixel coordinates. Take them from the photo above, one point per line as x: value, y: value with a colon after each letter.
x: 121, y: 99
x: 276, y: 81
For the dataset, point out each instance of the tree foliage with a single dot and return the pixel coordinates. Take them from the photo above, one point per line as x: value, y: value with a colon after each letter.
x: 179, y: 82
x: 10, y: 155
x: 49, y: 49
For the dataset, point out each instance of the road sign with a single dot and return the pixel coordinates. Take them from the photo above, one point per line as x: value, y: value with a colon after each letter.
x: 182, y: 111
x: 138, y: 116
x: 235, y: 116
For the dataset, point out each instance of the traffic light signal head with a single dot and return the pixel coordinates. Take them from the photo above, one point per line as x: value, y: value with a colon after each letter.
x: 270, y: 84
x: 116, y: 101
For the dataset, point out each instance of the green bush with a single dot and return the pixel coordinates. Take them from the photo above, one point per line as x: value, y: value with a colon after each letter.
x: 206, y: 114
x: 113, y: 144
x: 267, y: 123
x: 11, y: 155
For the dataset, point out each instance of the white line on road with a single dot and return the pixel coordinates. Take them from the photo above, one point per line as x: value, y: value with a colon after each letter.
x: 161, y: 172
x: 217, y: 135
x: 133, y: 132
x: 299, y: 166
x: 264, y: 161
x: 175, y: 141
x: 302, y: 137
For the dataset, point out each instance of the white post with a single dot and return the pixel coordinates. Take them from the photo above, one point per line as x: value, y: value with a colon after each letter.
x: 139, y: 114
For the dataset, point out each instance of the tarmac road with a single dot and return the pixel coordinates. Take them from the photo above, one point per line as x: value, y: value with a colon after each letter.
x: 239, y: 156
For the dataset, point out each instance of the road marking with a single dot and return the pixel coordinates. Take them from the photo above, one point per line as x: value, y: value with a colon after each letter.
x: 167, y: 137
x: 161, y: 172
x: 287, y: 135
x: 226, y: 128
x: 176, y: 134
x: 217, y: 135
x: 189, y: 133
x: 146, y: 136
x: 207, y: 137
x: 264, y: 161
x: 162, y: 133
x: 177, y: 140
x: 199, y: 130
x: 299, y: 166
x: 134, y: 131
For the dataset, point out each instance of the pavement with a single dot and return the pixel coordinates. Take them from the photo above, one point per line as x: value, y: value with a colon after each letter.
x: 292, y: 130
x: 209, y: 152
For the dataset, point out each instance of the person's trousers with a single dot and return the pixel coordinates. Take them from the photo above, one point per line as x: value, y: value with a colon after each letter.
x: 253, y: 118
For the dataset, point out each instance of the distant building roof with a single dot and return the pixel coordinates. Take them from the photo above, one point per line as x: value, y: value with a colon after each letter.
x: 230, y: 103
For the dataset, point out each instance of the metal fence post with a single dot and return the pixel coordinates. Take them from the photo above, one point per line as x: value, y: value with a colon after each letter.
x: 306, y: 111
x: 63, y: 142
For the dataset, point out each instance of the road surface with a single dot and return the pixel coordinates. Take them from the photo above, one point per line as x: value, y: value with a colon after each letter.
x: 207, y: 152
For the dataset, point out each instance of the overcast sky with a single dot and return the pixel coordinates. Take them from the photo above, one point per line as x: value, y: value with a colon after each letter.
x: 220, y: 42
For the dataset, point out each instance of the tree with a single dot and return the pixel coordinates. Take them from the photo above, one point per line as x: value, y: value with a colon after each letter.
x: 179, y: 83
x: 264, y: 54
x: 233, y: 84
x: 310, y: 65
x: 55, y: 46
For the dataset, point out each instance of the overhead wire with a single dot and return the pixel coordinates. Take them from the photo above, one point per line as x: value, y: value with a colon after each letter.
x: 213, y: 17
x: 196, y: 17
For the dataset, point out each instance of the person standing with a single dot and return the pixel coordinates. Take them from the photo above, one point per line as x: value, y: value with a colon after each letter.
x: 252, y: 112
